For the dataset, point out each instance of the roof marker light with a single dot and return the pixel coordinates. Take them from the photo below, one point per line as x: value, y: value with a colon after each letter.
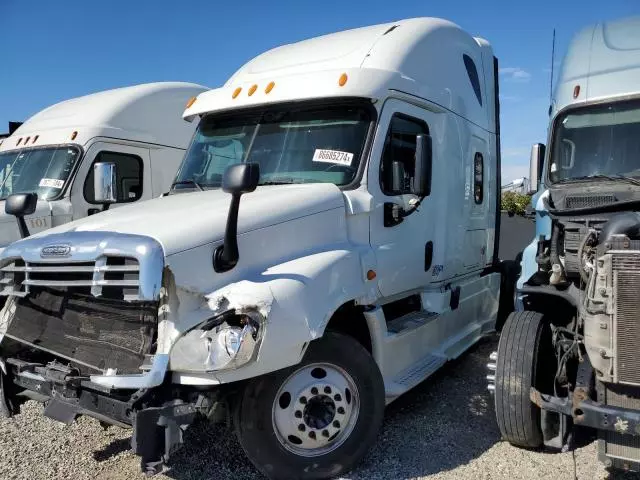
x: 191, y: 101
x: 18, y: 142
x: 371, y: 274
x: 26, y: 140
x: 576, y: 91
x: 35, y: 139
x: 74, y: 135
x: 343, y: 80
x: 269, y: 87
x: 236, y: 92
x: 253, y: 89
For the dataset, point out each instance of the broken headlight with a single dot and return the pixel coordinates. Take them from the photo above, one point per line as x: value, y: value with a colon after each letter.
x: 228, y: 345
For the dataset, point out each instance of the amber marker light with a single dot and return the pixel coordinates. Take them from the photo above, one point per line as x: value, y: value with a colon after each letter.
x: 342, y: 80
x: 371, y: 275
x: 190, y: 102
x: 74, y: 135
x: 269, y: 87
x: 576, y: 91
x: 253, y: 89
x: 236, y: 92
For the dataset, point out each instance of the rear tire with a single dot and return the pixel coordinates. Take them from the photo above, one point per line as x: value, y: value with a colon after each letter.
x: 336, y: 392
x: 523, y: 351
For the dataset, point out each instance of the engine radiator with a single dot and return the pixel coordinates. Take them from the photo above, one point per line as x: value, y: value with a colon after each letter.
x: 626, y: 285
x: 623, y: 450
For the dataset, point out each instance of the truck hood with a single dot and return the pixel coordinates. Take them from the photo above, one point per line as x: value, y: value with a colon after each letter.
x: 187, y: 220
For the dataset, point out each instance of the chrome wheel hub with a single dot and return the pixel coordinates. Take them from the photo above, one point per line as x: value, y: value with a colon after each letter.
x: 315, y: 410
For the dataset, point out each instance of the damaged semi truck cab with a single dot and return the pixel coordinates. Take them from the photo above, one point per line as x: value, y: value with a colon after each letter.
x: 330, y: 241
x: 138, y: 129
x: 569, y: 357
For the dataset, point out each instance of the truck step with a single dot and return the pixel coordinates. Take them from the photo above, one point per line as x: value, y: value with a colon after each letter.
x: 410, y: 321
x: 413, y: 375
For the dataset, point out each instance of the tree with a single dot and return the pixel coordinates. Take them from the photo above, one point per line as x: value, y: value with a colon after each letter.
x: 515, y: 203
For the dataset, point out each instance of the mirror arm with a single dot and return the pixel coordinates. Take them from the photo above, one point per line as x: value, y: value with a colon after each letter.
x: 22, y: 226
x: 225, y: 257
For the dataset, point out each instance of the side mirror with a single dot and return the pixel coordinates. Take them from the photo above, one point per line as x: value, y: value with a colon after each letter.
x: 105, y: 183
x: 422, y: 175
x: 536, y: 164
x: 19, y: 205
x: 241, y: 178
x: 237, y: 180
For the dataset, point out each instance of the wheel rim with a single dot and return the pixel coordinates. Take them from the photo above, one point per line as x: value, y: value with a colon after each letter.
x: 315, y: 409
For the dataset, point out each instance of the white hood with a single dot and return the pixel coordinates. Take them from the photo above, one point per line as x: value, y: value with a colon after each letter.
x: 187, y: 220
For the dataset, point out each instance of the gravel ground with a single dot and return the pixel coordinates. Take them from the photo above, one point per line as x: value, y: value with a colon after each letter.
x: 443, y: 429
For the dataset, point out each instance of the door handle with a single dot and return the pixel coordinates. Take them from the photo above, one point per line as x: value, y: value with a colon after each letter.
x: 428, y: 255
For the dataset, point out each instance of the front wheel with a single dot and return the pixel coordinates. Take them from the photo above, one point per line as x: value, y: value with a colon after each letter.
x: 316, y: 419
x: 525, y: 360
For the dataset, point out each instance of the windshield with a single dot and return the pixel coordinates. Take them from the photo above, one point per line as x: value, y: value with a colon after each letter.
x: 300, y: 146
x: 42, y: 170
x: 597, y: 140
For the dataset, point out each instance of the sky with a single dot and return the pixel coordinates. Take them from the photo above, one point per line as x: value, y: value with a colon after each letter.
x: 55, y: 50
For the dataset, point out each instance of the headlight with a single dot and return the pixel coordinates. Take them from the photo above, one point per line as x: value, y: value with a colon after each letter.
x: 220, y: 348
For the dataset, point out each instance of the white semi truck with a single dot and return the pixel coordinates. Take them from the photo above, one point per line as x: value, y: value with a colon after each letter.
x: 330, y: 241
x: 567, y: 365
x: 139, y: 128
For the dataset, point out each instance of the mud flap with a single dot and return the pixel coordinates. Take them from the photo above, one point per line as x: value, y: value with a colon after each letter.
x: 158, y: 432
x: 9, y: 404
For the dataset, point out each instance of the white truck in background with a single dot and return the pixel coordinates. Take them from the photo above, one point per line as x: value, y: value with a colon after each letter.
x: 139, y: 128
x: 330, y: 241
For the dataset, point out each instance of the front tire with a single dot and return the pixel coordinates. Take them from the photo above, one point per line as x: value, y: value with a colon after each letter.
x: 524, y: 356
x: 316, y: 419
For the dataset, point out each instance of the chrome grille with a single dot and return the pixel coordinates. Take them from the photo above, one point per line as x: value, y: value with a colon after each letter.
x: 626, y: 284
x: 109, y: 276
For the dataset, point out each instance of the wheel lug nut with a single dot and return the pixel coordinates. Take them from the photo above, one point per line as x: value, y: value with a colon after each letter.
x: 298, y: 414
x: 337, y: 397
x: 336, y: 424
x: 314, y: 390
x: 341, y: 410
x: 301, y: 427
x: 303, y: 400
x: 327, y: 390
x: 312, y: 435
x: 325, y: 433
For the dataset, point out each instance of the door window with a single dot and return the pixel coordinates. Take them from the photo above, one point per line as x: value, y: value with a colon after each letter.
x: 398, y: 164
x: 129, y: 172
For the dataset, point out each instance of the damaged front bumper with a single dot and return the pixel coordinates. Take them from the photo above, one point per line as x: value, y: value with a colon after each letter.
x: 158, y: 420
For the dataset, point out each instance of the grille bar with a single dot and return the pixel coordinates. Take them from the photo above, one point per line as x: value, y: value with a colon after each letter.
x: 81, y: 283
x: 71, y: 269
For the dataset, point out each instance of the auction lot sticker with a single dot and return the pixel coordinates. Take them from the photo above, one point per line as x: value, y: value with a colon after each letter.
x: 51, y: 182
x: 333, y: 156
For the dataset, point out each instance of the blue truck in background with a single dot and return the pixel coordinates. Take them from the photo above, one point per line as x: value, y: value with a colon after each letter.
x: 567, y: 368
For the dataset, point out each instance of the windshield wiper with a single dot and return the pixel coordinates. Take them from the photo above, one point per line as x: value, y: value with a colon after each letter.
x: 613, y: 178
x: 188, y: 182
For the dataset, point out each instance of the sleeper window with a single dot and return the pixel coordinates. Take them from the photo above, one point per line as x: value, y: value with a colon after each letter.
x: 400, y: 154
x: 129, y: 176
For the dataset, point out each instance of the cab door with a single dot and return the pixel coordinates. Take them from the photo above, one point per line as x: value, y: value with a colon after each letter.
x: 133, y: 177
x: 404, y: 251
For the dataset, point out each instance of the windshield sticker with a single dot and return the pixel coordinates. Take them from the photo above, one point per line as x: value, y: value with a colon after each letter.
x: 51, y: 182
x: 333, y: 156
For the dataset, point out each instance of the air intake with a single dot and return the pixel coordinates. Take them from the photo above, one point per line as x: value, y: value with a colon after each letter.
x: 588, y: 201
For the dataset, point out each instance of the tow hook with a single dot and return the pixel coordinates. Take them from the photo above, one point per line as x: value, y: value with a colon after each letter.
x: 491, y: 377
